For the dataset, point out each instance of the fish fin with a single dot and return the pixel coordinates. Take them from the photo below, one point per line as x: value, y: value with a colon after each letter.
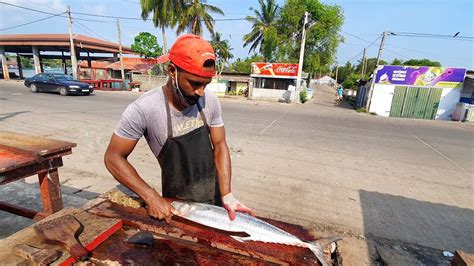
x: 320, y: 244
x: 241, y: 239
x: 325, y: 241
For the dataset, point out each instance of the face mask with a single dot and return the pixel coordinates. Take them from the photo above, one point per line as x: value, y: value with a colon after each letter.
x: 189, y: 99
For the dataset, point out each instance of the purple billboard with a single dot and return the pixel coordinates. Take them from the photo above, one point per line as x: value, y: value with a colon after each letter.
x: 421, y: 76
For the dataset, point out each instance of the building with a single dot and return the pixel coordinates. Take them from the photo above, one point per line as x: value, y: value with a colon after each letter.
x: 274, y: 82
x: 416, y: 92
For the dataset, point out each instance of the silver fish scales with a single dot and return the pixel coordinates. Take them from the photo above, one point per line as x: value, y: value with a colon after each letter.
x: 258, y: 230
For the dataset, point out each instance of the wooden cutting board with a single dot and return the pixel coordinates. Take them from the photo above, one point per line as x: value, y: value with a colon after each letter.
x: 96, y: 230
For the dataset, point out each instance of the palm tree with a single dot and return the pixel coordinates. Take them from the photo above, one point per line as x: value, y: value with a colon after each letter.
x: 222, y: 50
x: 164, y: 14
x: 263, y: 20
x: 195, y: 12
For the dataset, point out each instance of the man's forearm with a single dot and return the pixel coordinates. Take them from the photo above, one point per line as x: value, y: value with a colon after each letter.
x: 126, y: 174
x: 223, y: 167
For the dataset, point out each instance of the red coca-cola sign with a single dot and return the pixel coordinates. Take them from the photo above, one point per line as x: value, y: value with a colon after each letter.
x: 274, y: 70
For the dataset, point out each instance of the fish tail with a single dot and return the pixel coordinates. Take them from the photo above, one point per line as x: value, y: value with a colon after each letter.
x: 318, y: 246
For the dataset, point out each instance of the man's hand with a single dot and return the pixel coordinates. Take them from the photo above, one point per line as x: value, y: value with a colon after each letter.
x: 232, y: 205
x: 158, y: 207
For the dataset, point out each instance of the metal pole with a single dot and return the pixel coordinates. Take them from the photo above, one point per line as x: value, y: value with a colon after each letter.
x: 73, y: 50
x: 20, y: 67
x: 372, y: 83
x: 300, y: 62
x: 122, y: 71
x: 363, y: 64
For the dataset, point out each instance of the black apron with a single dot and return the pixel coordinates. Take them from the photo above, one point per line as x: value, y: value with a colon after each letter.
x: 187, y: 165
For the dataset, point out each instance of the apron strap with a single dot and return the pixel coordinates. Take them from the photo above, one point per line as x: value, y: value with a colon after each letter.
x: 168, y: 116
x: 203, y: 117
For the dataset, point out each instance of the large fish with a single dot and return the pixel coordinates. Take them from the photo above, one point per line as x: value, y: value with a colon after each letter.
x: 258, y: 230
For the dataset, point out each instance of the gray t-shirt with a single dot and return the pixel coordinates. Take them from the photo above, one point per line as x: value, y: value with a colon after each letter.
x: 146, y: 116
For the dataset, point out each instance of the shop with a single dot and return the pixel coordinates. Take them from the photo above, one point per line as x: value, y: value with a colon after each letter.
x: 416, y: 92
x: 274, y: 82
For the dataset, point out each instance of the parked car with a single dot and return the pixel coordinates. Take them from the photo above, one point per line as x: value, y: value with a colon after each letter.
x: 64, y: 84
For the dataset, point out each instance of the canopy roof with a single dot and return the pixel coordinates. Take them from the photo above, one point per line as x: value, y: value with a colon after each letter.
x: 21, y: 43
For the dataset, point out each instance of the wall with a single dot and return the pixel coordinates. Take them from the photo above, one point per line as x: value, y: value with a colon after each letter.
x: 149, y: 82
x: 446, y: 107
x: 382, y: 99
x: 274, y: 95
x: 217, y: 88
x: 383, y: 94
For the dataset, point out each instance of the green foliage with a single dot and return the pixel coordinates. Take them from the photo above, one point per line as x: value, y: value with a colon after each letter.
x: 351, y: 81
x: 397, y: 62
x: 193, y: 16
x: 361, y: 110
x: 53, y: 63
x: 303, y: 96
x: 322, y: 37
x: 222, y: 50
x: 421, y: 62
x: 26, y: 62
x: 243, y: 65
x: 264, y: 33
x: 146, y: 45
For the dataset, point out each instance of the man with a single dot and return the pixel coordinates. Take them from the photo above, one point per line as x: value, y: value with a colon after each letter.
x: 183, y: 127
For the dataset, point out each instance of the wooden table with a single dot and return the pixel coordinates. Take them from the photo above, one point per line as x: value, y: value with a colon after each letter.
x: 24, y: 155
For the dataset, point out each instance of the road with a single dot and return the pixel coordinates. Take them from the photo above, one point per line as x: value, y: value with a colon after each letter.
x: 313, y: 164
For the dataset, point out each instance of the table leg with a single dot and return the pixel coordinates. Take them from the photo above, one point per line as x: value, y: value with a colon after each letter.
x: 50, y: 191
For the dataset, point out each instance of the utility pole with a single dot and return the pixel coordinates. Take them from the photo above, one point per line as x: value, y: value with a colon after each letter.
x: 300, y: 62
x: 73, y: 49
x: 372, y: 83
x: 363, y: 64
x: 382, y: 42
x: 122, y: 72
x: 337, y: 69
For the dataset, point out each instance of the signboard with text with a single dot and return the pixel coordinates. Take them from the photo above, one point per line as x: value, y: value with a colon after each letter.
x: 277, y: 70
x: 421, y: 76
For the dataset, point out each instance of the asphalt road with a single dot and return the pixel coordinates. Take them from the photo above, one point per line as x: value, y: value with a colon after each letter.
x: 313, y: 164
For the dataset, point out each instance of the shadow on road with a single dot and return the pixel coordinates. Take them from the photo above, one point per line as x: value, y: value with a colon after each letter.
x: 412, y: 221
x: 6, y: 116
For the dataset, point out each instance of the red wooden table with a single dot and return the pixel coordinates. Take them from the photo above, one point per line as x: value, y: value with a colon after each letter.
x: 24, y: 155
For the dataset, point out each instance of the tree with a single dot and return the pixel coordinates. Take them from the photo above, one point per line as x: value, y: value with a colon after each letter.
x: 194, y: 14
x: 243, y: 65
x: 164, y: 14
x: 222, y: 49
x: 421, y: 62
x: 322, y: 37
x: 264, y: 34
x: 146, y: 45
x: 397, y: 62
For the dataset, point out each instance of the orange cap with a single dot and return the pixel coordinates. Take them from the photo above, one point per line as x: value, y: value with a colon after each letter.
x: 189, y: 52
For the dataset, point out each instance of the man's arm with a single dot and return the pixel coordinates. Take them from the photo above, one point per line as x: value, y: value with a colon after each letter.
x: 115, y: 160
x: 224, y: 172
x: 221, y: 159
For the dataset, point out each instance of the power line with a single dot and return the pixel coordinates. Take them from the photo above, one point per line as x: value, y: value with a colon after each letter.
x: 135, y: 18
x: 31, y: 22
x: 431, y: 35
x: 49, y: 13
x: 91, y: 30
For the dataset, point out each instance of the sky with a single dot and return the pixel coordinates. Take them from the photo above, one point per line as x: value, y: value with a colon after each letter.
x: 364, y: 22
